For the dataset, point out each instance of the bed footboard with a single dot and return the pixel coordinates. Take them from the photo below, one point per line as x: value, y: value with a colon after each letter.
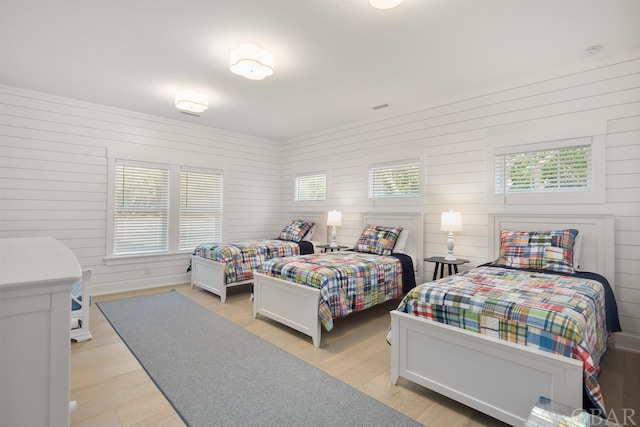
x: 501, y: 379
x: 291, y: 304
x: 209, y: 275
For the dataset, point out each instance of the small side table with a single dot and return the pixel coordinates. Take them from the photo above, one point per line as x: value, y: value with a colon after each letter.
x: 329, y: 248
x: 440, y: 263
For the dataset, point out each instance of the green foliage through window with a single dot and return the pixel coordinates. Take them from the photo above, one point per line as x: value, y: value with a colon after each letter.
x: 311, y: 187
x: 145, y: 194
x: 402, y: 180
x: 141, y: 223
x: 200, y: 208
x: 558, y: 170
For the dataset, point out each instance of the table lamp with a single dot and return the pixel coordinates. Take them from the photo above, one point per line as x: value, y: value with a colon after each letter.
x: 334, y: 218
x: 450, y: 221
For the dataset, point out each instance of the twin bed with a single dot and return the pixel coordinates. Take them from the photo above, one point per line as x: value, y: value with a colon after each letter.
x: 434, y: 332
x: 308, y: 292
x: 218, y: 265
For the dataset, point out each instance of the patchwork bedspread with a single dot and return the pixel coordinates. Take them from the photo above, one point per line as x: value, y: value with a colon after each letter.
x: 243, y: 257
x: 560, y: 314
x: 348, y: 281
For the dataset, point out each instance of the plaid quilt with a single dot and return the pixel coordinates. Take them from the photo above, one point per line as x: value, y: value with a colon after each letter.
x: 243, y: 257
x: 348, y: 281
x: 560, y: 314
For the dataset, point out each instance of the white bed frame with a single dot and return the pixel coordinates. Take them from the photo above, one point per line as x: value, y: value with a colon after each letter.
x: 210, y: 275
x: 296, y: 305
x: 498, y: 378
x: 80, y: 317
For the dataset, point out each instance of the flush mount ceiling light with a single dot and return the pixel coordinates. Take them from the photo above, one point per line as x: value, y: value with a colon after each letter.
x: 384, y: 4
x: 192, y: 101
x: 250, y: 61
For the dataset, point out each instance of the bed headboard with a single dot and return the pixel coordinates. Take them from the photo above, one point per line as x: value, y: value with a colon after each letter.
x: 320, y: 218
x: 597, y: 253
x: 413, y: 222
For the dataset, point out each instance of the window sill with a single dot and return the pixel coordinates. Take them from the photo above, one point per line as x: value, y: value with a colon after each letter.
x: 137, y: 258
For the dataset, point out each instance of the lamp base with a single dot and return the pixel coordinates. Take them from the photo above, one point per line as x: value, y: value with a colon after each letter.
x: 334, y: 243
x: 450, y: 256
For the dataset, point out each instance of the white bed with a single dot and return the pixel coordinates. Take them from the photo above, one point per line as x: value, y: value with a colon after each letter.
x: 210, y: 275
x: 296, y: 305
x: 431, y: 354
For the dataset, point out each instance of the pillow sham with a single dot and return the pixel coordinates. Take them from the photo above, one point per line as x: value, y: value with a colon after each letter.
x: 378, y: 239
x: 542, y: 250
x: 295, y: 230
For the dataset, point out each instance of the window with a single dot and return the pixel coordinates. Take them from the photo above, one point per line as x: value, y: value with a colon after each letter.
x: 397, y: 180
x: 551, y: 166
x: 311, y: 187
x: 566, y: 169
x: 141, y: 209
x: 162, y: 209
x: 200, y: 208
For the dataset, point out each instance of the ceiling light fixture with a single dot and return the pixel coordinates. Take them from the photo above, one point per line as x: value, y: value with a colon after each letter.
x: 191, y: 101
x: 384, y: 4
x: 250, y: 61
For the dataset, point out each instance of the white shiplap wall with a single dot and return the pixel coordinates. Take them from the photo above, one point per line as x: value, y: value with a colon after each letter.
x: 53, y: 169
x: 451, y: 139
x: 54, y: 151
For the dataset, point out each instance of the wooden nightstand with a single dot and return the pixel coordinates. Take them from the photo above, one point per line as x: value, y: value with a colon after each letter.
x: 440, y: 262
x: 329, y: 248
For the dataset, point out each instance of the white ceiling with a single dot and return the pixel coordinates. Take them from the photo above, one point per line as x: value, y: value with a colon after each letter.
x: 334, y: 59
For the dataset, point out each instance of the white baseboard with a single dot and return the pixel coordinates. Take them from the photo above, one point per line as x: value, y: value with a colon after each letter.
x: 626, y: 342
x: 139, y: 284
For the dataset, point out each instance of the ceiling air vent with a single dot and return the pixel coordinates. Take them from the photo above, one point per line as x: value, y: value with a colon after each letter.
x: 188, y: 113
x: 377, y: 107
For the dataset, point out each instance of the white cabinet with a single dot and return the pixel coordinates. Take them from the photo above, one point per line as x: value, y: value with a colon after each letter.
x: 36, y: 278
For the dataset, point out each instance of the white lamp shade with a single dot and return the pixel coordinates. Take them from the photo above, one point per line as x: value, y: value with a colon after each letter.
x: 334, y: 218
x: 451, y: 221
x: 384, y: 4
x: 249, y: 61
x: 194, y: 102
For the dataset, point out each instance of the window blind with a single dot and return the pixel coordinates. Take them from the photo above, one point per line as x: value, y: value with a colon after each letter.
x: 141, y: 210
x: 311, y: 187
x: 200, y: 208
x: 567, y: 169
x: 400, y: 180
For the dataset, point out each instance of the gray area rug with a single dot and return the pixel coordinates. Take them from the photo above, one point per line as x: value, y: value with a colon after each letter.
x: 215, y: 373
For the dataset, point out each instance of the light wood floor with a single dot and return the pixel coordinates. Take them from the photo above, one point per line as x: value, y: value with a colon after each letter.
x: 111, y: 388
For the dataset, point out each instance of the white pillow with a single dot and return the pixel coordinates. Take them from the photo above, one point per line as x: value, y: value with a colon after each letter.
x: 402, y: 241
x: 307, y: 237
x: 577, y: 248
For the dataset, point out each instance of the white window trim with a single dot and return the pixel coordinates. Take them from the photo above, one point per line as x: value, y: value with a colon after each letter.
x: 593, y: 134
x: 177, y: 204
x: 312, y: 203
x: 174, y: 212
x: 111, y: 189
x: 391, y: 201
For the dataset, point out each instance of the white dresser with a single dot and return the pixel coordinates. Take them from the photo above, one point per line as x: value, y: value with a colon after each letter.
x: 36, y: 278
